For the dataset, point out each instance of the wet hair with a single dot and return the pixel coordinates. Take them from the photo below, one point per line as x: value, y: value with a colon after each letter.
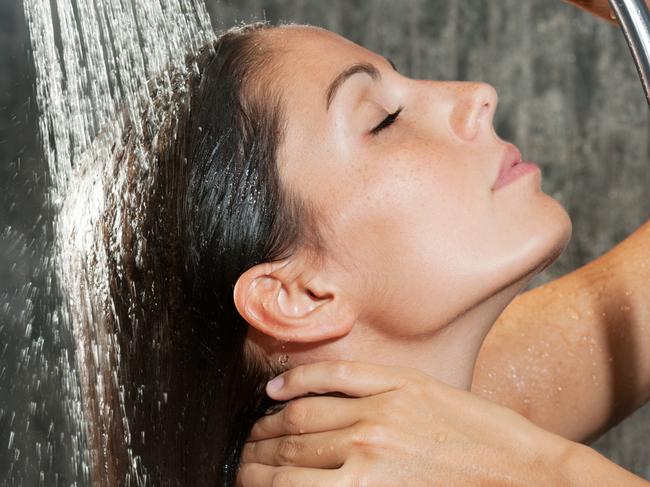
x: 179, y: 391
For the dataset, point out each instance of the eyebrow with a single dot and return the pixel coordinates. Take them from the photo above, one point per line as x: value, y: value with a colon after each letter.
x: 357, y: 68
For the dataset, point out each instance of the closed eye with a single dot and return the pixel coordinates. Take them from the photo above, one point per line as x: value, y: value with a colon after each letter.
x: 386, y: 122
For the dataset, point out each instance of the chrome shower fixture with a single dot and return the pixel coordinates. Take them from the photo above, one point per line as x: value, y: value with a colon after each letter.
x: 634, y: 19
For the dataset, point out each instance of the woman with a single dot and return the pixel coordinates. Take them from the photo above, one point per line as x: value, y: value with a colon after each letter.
x: 399, y: 327
x: 339, y: 200
x: 587, y: 396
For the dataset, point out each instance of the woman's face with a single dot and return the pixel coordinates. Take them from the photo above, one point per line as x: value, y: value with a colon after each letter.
x: 414, y: 231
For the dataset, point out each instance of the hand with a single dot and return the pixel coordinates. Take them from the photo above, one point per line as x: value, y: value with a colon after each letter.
x: 404, y: 428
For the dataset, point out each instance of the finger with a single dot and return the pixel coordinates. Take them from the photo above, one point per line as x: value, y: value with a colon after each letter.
x: 352, y: 378
x: 258, y: 475
x: 328, y: 449
x: 309, y: 415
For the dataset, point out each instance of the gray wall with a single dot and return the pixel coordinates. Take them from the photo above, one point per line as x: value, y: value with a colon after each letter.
x: 569, y: 98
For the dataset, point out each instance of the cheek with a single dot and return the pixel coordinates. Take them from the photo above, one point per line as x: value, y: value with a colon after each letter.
x: 413, y: 230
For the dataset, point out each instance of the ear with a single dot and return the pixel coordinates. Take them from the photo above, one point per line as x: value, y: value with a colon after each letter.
x: 277, y: 300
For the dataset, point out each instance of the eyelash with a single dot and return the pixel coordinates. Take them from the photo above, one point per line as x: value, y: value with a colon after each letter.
x: 387, y: 122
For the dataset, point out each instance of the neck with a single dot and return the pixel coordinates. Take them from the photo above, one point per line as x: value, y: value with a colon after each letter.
x: 448, y: 355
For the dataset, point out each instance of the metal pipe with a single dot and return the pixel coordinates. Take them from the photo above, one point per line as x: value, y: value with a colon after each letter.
x: 634, y: 19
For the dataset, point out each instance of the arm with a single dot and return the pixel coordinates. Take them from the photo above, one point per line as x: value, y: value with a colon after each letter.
x: 573, y: 355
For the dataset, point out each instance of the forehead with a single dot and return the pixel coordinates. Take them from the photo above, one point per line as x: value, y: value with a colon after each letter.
x: 306, y: 60
x: 309, y: 58
x: 303, y: 41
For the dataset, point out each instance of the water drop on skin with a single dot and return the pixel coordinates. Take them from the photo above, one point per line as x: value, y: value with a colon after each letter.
x: 441, y: 437
x: 319, y: 451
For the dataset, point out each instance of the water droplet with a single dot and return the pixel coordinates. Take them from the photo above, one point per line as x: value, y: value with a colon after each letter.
x: 575, y: 316
x: 628, y: 293
x: 559, y: 388
x: 319, y: 451
x: 441, y: 437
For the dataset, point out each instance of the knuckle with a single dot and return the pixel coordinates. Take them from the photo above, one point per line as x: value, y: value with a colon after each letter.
x: 416, y: 389
x: 341, y: 371
x: 295, y: 416
x: 244, y: 474
x: 396, y: 403
x: 248, y: 453
x: 281, y: 479
x: 260, y: 428
x: 287, y: 450
x: 376, y: 435
x: 369, y: 436
x: 295, y: 377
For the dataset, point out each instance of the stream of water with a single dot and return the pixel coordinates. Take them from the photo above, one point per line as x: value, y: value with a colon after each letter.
x: 93, y: 59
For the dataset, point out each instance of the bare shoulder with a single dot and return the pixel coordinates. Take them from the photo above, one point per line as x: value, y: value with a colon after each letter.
x: 567, y: 354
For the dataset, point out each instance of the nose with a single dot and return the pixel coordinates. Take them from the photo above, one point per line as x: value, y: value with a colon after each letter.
x: 473, y: 108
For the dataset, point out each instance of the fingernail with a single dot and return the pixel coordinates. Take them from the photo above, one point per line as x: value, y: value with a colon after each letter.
x: 276, y: 384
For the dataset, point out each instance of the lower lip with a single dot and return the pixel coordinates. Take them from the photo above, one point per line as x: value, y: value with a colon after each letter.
x: 515, y: 172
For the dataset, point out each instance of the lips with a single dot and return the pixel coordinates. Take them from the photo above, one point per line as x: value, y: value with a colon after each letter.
x: 512, y: 167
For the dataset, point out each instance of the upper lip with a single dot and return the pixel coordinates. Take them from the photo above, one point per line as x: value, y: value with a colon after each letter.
x: 511, y: 156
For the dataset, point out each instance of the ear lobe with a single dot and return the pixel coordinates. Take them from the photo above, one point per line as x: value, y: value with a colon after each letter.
x: 274, y: 299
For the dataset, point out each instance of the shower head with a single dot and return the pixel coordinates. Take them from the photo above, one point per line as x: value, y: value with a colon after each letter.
x: 634, y: 19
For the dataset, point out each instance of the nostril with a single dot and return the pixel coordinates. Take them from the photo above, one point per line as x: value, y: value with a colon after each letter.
x: 473, y: 111
x: 473, y: 121
x: 484, y: 112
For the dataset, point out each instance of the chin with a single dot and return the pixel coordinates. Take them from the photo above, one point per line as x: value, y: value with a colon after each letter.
x: 557, y: 229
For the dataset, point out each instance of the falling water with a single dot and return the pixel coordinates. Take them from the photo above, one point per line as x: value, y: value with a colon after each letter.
x: 93, y: 60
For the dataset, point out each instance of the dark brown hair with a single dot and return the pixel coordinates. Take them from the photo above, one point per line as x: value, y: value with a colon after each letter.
x: 179, y: 393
